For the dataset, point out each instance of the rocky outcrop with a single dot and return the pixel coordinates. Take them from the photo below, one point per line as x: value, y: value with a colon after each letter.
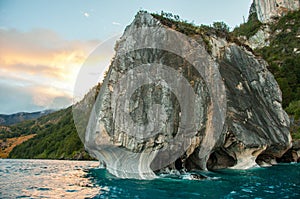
x: 260, y: 39
x: 249, y: 85
x: 267, y: 10
x: 175, y: 102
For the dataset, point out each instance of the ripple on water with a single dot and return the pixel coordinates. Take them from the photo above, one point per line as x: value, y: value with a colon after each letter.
x: 73, y: 179
x: 45, y: 179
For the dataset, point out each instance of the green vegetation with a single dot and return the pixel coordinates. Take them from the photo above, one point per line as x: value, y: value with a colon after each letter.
x: 30, y: 126
x: 24, y: 128
x: 220, y: 29
x: 56, y: 134
x: 283, y: 56
x: 190, y: 29
x: 294, y: 110
x: 56, y: 138
x: 249, y: 28
x: 174, y: 22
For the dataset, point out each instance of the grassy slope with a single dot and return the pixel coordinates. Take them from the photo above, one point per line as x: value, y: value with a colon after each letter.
x: 56, y: 134
x: 7, y: 145
x: 56, y: 138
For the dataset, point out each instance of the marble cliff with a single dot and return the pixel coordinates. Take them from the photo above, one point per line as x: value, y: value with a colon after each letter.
x: 267, y: 10
x: 172, y: 101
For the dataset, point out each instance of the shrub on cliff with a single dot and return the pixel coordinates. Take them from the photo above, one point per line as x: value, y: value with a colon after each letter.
x: 249, y: 28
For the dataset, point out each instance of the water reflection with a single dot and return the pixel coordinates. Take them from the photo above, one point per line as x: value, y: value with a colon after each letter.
x: 46, y: 179
x: 82, y: 179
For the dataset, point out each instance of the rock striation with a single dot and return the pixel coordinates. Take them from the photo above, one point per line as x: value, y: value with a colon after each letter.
x: 261, y: 38
x: 170, y: 101
x: 267, y: 10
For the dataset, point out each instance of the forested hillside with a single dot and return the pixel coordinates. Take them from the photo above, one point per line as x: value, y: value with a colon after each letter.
x: 56, y: 138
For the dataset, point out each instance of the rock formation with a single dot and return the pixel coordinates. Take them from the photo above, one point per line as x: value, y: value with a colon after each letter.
x: 270, y: 9
x: 170, y: 101
x: 261, y: 38
x: 268, y: 12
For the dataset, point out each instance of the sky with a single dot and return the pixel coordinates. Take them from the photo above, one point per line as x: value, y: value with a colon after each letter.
x: 44, y: 43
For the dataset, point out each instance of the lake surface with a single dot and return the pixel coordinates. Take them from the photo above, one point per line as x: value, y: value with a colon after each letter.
x: 83, y: 179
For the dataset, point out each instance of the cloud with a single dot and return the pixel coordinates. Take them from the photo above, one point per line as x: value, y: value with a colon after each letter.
x: 35, y: 51
x: 49, y: 96
x: 116, y: 23
x: 86, y: 14
x: 38, y: 69
x: 16, y: 98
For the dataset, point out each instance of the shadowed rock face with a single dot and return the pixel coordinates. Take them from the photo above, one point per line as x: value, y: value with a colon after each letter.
x: 256, y: 125
x: 167, y: 103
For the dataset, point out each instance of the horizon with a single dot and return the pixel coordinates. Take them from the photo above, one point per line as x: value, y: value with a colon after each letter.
x: 33, y: 112
x: 43, y: 46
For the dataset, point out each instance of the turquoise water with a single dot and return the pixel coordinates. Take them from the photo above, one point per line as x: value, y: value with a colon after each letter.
x: 82, y: 179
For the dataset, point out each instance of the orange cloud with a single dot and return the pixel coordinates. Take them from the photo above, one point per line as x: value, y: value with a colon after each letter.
x: 42, y: 52
x: 42, y: 63
x: 45, y: 96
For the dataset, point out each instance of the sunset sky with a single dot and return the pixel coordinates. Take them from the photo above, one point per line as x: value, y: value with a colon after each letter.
x: 44, y: 43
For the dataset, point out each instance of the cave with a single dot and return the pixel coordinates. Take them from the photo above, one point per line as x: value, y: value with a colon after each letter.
x: 220, y: 159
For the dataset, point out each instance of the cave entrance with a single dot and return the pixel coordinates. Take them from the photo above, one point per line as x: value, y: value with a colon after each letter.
x: 220, y: 159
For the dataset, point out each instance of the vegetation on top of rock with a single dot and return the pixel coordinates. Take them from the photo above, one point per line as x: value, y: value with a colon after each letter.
x: 175, y: 22
x: 219, y: 29
x: 249, y: 28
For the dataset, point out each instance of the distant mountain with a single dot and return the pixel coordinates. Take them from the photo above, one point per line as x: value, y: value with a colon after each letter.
x: 54, y: 135
x: 22, y: 116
